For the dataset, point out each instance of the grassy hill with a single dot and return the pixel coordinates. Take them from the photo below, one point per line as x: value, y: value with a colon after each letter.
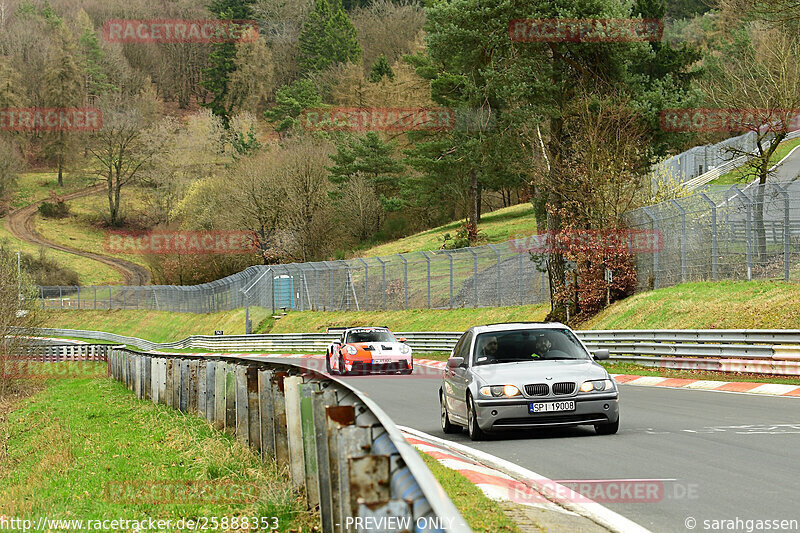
x: 727, y: 304
x: 498, y: 226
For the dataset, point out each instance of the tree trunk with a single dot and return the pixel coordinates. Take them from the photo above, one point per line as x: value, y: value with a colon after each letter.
x: 474, y: 198
x: 480, y: 202
x: 110, y: 189
x: 60, y: 172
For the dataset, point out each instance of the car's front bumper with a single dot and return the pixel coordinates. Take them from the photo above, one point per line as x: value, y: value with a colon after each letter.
x: 369, y: 367
x: 513, y: 414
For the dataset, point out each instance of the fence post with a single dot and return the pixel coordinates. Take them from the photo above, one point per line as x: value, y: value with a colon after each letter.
x: 714, y: 247
x: 242, y: 420
x: 474, y: 275
x: 450, y: 257
x: 747, y: 231
x: 682, y: 211
x: 294, y: 428
x: 383, y: 282
x: 656, y: 251
x: 266, y: 414
x: 366, y: 284
x: 428, y: 260
x: 786, y: 231
x: 309, y: 443
x: 498, y: 273
x: 220, y: 402
x: 320, y: 400
x: 405, y: 280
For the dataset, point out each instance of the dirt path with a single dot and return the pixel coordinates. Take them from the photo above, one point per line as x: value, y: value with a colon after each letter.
x: 22, y: 225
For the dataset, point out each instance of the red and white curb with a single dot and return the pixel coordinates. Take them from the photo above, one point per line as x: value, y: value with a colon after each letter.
x: 502, y: 480
x: 769, y: 389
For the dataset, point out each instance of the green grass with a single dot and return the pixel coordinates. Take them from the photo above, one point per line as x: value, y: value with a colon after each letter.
x: 71, y: 450
x: 90, y: 272
x: 639, y: 370
x: 706, y: 305
x: 498, y: 226
x: 737, y: 175
x: 483, y: 515
x: 158, y: 326
x: 410, y: 319
x: 84, y: 227
x: 35, y: 186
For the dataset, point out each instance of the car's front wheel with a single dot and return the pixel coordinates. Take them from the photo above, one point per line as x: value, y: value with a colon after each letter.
x: 328, y: 363
x: 409, y: 370
x: 342, y: 369
x: 447, y: 427
x: 607, y: 429
x: 475, y: 431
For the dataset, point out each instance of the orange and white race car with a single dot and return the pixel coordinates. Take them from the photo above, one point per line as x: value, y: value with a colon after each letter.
x: 371, y: 350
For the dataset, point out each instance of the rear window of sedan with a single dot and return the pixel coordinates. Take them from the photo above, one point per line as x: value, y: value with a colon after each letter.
x: 527, y: 345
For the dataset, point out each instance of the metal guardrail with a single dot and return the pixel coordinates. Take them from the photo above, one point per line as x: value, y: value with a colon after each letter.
x: 677, y: 343
x: 347, y: 453
x: 53, y: 353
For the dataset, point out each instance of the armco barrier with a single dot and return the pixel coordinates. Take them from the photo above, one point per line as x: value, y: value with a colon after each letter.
x: 339, y: 445
x: 646, y: 346
x: 54, y: 353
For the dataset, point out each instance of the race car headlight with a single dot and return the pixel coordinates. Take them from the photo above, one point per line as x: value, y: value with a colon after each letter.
x: 404, y: 349
x: 599, y: 385
x: 498, y: 391
x: 352, y: 350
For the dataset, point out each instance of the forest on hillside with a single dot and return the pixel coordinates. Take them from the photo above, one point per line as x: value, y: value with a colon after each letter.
x: 244, y: 135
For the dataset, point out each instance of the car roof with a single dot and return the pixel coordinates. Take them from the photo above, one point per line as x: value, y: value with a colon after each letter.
x: 508, y: 326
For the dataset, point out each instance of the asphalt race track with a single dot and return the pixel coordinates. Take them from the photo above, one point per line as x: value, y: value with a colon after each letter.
x: 721, y: 456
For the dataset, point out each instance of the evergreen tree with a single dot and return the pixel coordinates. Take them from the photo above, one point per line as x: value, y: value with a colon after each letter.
x: 291, y: 100
x: 372, y: 158
x: 63, y: 88
x: 222, y: 58
x: 380, y: 69
x: 328, y: 37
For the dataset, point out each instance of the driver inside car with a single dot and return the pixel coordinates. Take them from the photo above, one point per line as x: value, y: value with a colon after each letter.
x: 542, y: 346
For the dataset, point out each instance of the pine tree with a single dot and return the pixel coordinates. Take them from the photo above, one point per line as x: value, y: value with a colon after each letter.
x: 372, y: 158
x: 328, y: 37
x: 291, y: 100
x: 380, y: 69
x: 222, y: 58
x: 62, y: 89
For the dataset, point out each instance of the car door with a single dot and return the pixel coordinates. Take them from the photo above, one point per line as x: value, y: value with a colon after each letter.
x: 459, y: 379
x: 447, y: 378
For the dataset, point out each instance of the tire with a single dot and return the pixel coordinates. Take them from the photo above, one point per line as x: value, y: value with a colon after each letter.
x: 342, y: 370
x: 408, y: 370
x: 328, y: 363
x: 447, y: 427
x: 475, y: 431
x: 607, y: 429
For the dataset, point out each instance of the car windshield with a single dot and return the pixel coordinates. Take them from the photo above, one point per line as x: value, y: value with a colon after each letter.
x: 527, y: 345
x: 370, y: 336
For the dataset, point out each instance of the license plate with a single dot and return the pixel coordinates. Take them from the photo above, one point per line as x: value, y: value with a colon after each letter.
x: 551, y: 407
x: 382, y: 361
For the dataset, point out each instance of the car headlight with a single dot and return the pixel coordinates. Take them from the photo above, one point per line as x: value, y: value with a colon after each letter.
x: 404, y: 349
x: 352, y: 350
x: 598, y: 385
x: 498, y: 391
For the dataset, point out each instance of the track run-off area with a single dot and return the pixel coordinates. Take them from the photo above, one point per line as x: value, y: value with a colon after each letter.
x: 716, y: 458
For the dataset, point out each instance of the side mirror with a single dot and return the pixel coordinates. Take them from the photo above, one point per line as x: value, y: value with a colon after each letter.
x: 455, y: 362
x: 402, y: 339
x: 601, y: 355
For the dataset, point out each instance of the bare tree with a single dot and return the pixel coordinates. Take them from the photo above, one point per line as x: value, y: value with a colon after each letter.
x: 759, y: 69
x: 307, y: 205
x: 18, y: 313
x: 120, y: 148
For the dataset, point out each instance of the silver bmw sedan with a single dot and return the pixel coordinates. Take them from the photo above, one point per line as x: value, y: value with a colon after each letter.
x: 526, y: 375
